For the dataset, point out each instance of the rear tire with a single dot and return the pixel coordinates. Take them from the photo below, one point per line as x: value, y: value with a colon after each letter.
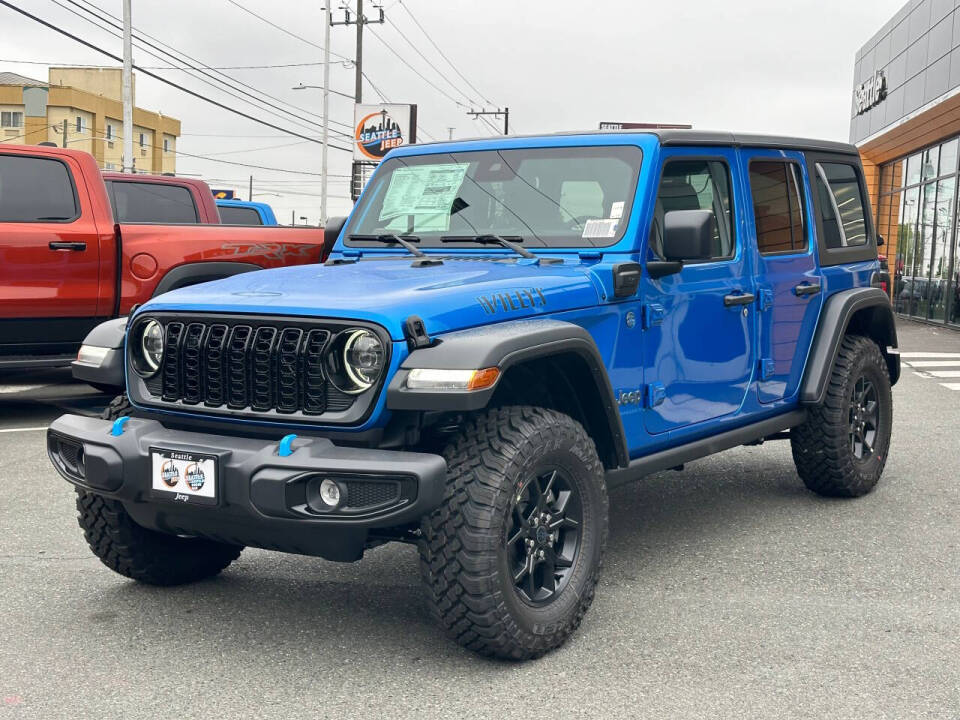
x: 841, y: 449
x: 136, y: 552
x: 525, y: 498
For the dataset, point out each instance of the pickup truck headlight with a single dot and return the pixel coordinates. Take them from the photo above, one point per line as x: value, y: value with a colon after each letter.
x: 147, y: 347
x: 356, y: 361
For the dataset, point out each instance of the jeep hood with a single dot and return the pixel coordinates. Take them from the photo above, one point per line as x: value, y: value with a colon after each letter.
x: 458, y: 294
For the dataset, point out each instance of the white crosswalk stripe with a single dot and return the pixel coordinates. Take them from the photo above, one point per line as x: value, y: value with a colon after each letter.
x: 934, y: 365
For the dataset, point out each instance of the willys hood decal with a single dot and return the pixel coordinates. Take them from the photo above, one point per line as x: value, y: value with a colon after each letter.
x: 452, y: 296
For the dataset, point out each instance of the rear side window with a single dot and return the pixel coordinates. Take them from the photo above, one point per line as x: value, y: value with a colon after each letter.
x: 34, y: 189
x: 239, y: 216
x: 695, y: 185
x: 140, y: 202
x: 775, y: 188
x: 841, y: 206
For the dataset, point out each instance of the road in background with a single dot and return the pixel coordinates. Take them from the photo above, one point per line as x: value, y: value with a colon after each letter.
x: 729, y: 591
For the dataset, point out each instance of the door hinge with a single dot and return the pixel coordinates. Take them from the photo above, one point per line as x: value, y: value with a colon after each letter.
x: 766, y: 298
x: 767, y: 368
x: 654, y: 394
x: 653, y: 314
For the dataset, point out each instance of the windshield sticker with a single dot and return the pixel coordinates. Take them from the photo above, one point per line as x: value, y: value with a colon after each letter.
x: 616, y: 210
x: 426, y: 190
x: 606, y: 228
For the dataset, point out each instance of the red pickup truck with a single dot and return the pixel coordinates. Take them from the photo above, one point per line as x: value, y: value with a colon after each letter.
x: 66, y: 265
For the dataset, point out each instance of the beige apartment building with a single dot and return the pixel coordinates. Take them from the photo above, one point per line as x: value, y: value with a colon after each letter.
x: 81, y: 108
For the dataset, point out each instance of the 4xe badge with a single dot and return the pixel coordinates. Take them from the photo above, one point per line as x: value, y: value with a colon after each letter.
x: 194, y: 477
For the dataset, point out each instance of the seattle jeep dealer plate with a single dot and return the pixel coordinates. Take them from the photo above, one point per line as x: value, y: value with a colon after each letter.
x: 184, y: 476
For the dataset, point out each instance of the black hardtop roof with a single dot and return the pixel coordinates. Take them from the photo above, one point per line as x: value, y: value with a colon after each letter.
x: 673, y: 137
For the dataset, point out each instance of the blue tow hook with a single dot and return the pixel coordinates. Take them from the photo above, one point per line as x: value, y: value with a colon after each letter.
x: 118, y: 425
x: 286, y: 446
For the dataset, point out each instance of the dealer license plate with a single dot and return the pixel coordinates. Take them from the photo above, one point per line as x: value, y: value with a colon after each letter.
x: 184, y: 476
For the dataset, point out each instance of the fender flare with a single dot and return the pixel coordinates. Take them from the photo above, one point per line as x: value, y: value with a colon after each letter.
x: 195, y: 273
x: 874, y: 317
x: 504, y: 345
x: 109, y: 373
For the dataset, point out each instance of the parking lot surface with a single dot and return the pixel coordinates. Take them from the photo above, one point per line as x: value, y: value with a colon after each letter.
x: 729, y: 591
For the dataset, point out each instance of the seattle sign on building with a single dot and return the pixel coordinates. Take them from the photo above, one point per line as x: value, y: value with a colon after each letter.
x: 870, y: 92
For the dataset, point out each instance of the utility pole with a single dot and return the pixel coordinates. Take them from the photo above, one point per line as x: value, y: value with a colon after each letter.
x: 251, y: 189
x: 496, y: 113
x: 127, y: 88
x: 450, y: 133
x: 328, y: 19
x: 64, y: 140
x: 360, y: 20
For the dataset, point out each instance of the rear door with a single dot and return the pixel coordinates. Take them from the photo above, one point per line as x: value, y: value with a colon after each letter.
x: 698, y: 344
x: 788, y: 280
x: 49, y: 254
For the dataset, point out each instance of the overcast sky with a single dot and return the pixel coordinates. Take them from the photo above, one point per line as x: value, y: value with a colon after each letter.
x: 748, y: 65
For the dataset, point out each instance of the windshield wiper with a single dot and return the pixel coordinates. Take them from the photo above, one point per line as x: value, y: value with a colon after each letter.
x: 394, y: 240
x: 491, y: 239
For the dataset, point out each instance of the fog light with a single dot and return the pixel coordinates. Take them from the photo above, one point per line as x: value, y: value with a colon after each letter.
x: 330, y: 493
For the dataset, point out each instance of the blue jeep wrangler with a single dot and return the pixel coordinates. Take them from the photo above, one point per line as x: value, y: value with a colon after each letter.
x: 506, y: 329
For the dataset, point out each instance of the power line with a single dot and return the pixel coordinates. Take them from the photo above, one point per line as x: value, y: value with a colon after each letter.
x: 417, y: 72
x: 164, y: 80
x: 174, y: 67
x: 284, y: 30
x: 168, y: 53
x: 442, y: 54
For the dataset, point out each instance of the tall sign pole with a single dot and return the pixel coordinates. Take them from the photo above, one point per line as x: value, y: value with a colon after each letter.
x: 127, y: 88
x: 327, y: 19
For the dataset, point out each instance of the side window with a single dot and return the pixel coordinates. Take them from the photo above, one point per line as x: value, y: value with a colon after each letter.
x: 776, y: 190
x: 239, y: 216
x: 841, y: 206
x: 34, y: 189
x: 137, y: 202
x: 695, y: 185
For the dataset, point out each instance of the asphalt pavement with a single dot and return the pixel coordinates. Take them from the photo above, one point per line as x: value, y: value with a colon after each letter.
x: 729, y: 592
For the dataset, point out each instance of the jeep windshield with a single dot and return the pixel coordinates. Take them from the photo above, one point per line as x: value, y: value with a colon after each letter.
x: 540, y: 197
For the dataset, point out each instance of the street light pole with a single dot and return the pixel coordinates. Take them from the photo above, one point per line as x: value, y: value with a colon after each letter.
x: 326, y: 113
x: 127, y: 88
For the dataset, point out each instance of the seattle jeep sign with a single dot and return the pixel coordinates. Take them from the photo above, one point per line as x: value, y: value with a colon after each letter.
x: 871, y: 92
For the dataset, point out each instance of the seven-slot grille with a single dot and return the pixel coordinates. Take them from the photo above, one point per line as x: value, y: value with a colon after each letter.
x: 261, y: 367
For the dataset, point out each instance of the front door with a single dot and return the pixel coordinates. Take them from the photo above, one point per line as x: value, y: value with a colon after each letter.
x: 698, y: 343
x: 788, y: 282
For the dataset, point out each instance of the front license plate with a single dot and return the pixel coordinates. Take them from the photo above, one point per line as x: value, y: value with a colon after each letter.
x: 184, y: 476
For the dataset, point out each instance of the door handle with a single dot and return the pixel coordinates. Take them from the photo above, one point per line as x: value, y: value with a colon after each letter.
x: 738, y: 299
x: 68, y: 246
x: 806, y: 289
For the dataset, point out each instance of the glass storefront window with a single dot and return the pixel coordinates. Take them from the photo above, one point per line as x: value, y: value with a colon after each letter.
x: 911, y: 174
x: 948, y: 157
x: 940, y: 259
x: 931, y: 159
x: 906, y: 250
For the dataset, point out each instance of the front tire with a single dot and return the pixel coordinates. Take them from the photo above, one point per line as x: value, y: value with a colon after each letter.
x: 842, y: 448
x: 136, y: 552
x: 512, y: 557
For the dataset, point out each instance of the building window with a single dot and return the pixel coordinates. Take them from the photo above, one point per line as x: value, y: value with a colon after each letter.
x: 109, y: 166
x: 166, y: 145
x: 10, y: 119
x: 109, y: 131
x: 916, y: 215
x: 143, y: 140
x: 81, y: 124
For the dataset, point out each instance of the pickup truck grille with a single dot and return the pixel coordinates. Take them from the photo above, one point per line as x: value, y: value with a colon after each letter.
x: 249, y: 366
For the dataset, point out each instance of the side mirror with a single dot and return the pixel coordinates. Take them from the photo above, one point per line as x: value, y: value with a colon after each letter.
x: 331, y: 231
x: 688, y: 235
x: 880, y: 240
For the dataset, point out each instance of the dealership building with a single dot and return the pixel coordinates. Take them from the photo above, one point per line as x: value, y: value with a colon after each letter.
x: 905, y: 118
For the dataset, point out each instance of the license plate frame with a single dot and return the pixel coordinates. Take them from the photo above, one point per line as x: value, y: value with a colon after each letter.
x: 184, y: 476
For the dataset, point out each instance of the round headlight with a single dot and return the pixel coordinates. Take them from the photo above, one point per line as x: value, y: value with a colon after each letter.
x: 148, y: 351
x: 362, y: 359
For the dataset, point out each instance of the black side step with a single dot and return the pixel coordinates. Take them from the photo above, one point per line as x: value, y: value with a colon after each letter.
x: 672, y: 457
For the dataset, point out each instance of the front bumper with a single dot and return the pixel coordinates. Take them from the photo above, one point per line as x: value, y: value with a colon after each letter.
x: 263, y: 498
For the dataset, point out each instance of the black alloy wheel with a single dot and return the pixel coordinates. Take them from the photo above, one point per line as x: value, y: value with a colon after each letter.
x: 864, y: 418
x: 543, y: 538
